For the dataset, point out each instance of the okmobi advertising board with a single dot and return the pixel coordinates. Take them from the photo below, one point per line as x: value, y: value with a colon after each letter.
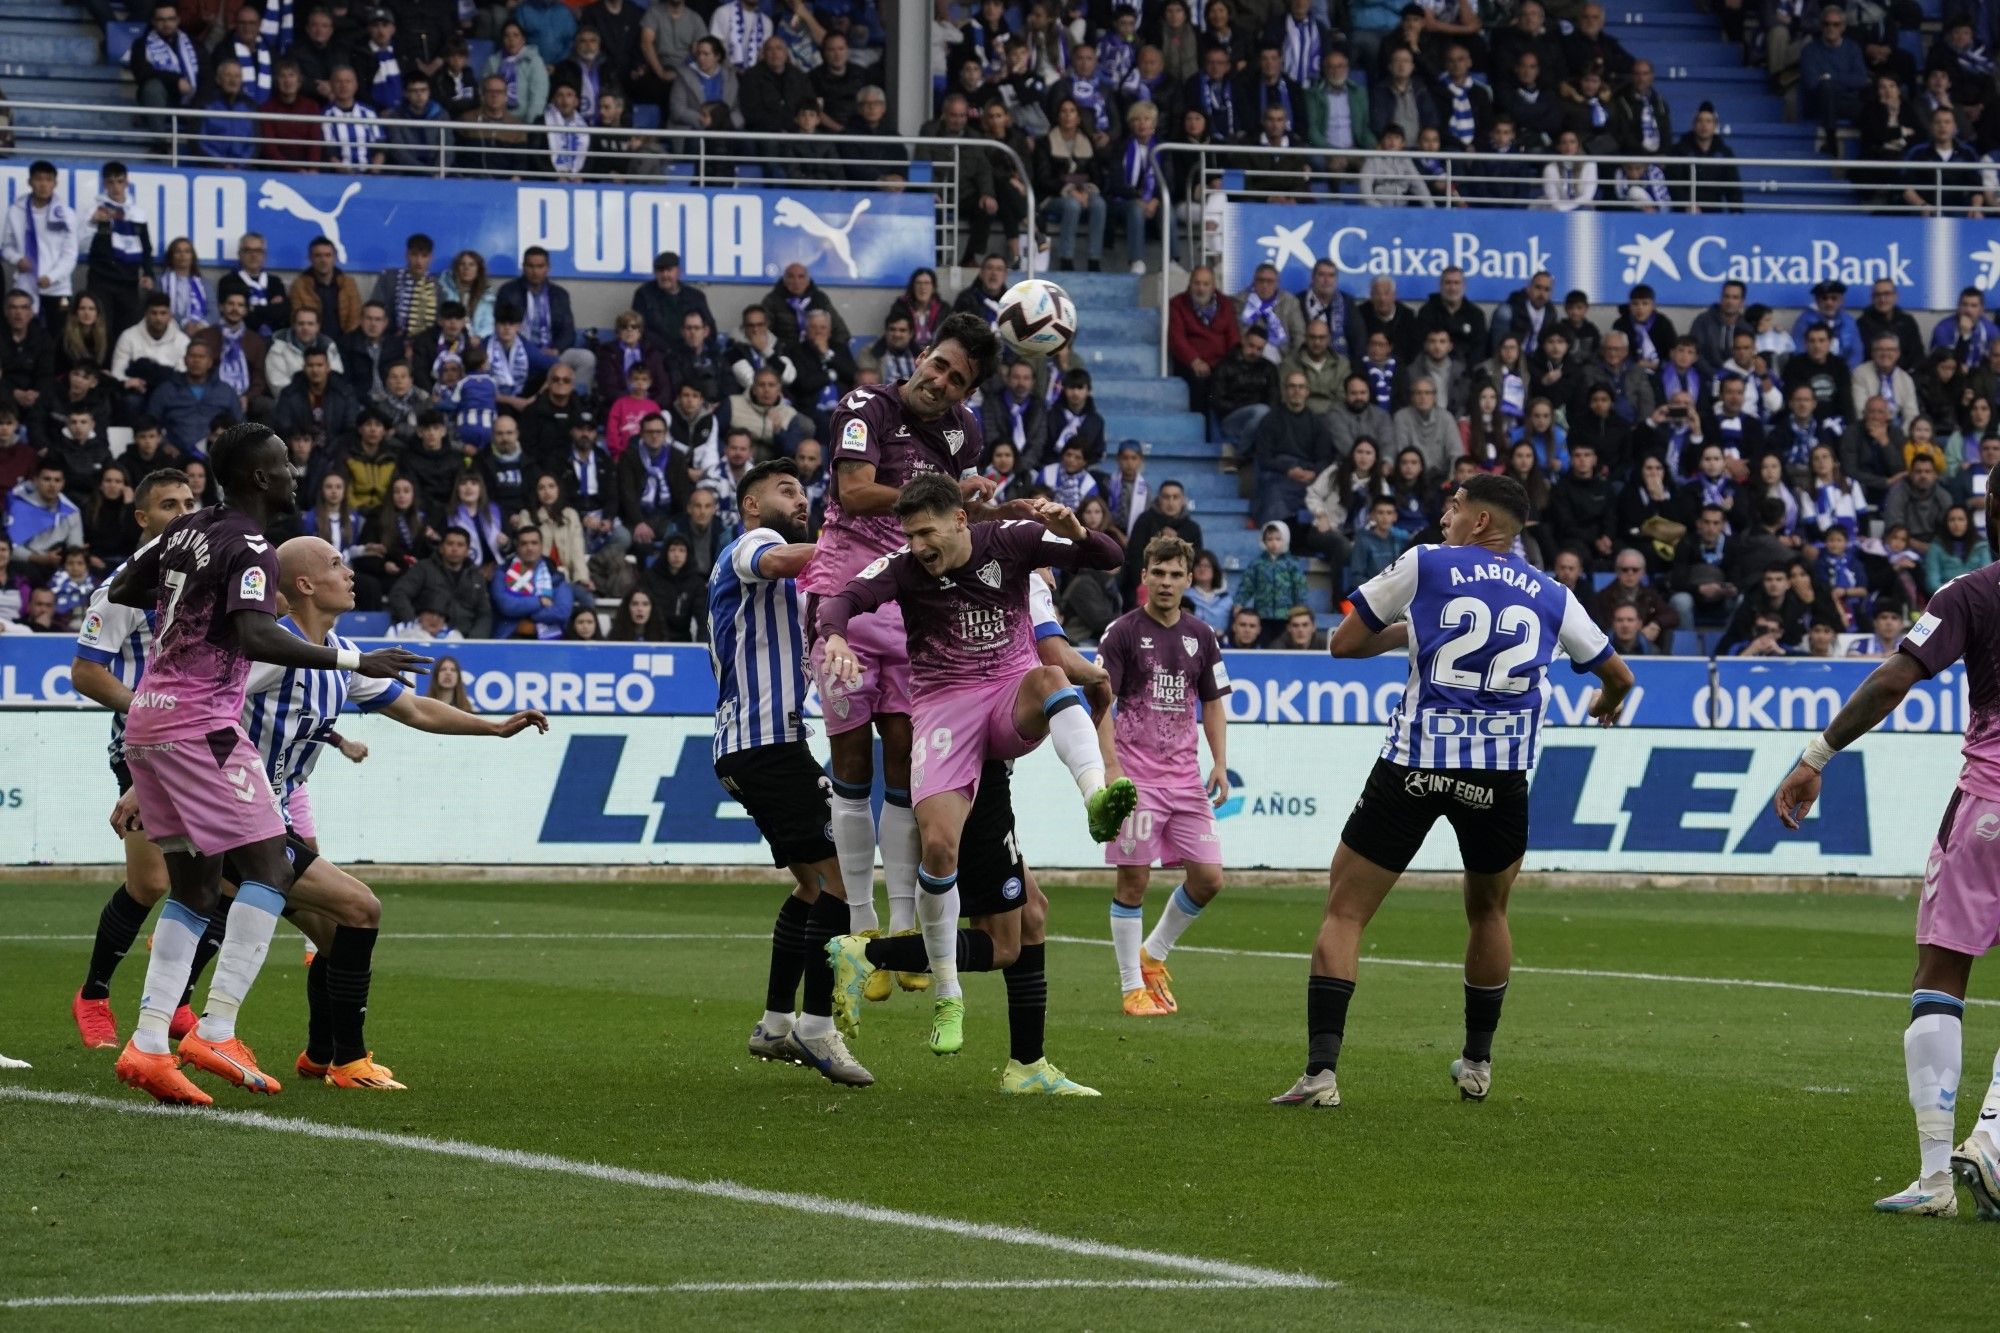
x: 642, y: 790
x: 623, y: 680
x: 846, y: 237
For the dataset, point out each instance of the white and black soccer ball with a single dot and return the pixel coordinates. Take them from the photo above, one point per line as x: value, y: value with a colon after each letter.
x: 1037, y: 318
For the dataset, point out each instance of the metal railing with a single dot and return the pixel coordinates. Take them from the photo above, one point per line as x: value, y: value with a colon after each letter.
x: 463, y: 149
x: 1470, y: 181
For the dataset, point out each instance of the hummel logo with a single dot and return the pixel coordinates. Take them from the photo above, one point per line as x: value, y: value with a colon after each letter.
x: 1989, y: 1115
x: 257, y: 544
x: 243, y: 785
x: 902, y: 433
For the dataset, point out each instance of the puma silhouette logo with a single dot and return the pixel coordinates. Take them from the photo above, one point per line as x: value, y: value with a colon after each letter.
x: 789, y: 212
x: 282, y: 198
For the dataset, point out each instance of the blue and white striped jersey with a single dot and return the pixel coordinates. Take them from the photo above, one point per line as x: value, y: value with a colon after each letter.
x: 120, y: 639
x: 1483, y: 629
x: 756, y: 648
x: 289, y: 712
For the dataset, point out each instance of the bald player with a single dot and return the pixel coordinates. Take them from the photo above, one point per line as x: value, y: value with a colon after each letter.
x: 289, y: 715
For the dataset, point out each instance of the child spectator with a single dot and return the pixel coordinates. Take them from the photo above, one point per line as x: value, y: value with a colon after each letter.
x: 1208, y: 592
x: 72, y: 585
x: 1905, y: 566
x: 622, y: 424
x: 1773, y: 343
x: 1840, y: 569
x: 1376, y: 545
x: 1069, y: 479
x: 1274, y: 583
x: 1075, y: 417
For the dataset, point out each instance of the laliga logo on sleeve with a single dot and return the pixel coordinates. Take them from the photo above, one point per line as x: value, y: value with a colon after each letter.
x: 251, y: 587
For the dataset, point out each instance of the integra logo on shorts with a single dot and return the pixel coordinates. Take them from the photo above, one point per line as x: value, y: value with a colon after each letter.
x: 1421, y: 783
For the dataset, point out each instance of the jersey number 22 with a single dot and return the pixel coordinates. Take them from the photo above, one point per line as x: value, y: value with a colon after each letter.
x: 1476, y: 625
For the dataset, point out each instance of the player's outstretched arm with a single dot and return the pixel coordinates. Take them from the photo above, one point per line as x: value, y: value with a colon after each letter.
x: 1874, y: 699
x: 263, y: 639
x: 441, y: 719
x: 785, y: 562
x: 1614, y: 679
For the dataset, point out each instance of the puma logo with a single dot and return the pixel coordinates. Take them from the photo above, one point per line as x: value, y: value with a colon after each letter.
x: 282, y: 198
x: 789, y: 212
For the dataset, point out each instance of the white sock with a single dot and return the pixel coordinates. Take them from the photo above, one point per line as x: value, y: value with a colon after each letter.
x: 167, y: 973
x: 775, y: 1023
x: 854, y: 846
x: 1076, y: 741
x: 902, y: 852
x: 1989, y: 1111
x: 245, y: 940
x: 1181, y: 910
x: 1127, y: 924
x: 813, y: 1025
x: 937, y: 913
x: 1931, y: 1058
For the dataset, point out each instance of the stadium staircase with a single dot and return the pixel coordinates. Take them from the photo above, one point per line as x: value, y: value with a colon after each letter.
x: 50, y: 53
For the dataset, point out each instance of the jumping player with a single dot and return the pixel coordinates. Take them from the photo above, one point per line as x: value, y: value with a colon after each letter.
x: 111, y: 653
x: 881, y: 438
x: 290, y: 714
x: 1481, y: 626
x: 1160, y: 662
x: 1958, y: 916
x: 978, y: 689
x: 213, y: 581
x: 1006, y: 931
x: 757, y: 650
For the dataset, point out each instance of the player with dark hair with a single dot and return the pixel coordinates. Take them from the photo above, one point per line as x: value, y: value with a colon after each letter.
x: 883, y: 437
x: 1163, y: 661
x: 112, y: 649
x: 1958, y: 916
x: 213, y: 580
x: 757, y: 651
x: 979, y: 690
x: 1481, y: 626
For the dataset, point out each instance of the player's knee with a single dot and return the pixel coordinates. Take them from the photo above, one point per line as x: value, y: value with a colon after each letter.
x: 1034, y: 916
x: 1046, y: 680
x: 364, y: 910
x: 1203, y: 882
x: 1006, y: 952
x: 940, y: 853
x: 147, y: 886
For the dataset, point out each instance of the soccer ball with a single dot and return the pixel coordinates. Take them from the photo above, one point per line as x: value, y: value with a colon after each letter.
x: 1036, y: 318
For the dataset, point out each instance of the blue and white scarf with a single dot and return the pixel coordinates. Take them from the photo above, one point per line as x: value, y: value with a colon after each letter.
x: 507, y: 365
x: 235, y: 368
x: 1089, y: 99
x: 1302, y: 50
x: 177, y: 58
x: 1265, y: 312
x: 538, y: 327
x: 387, y: 88
x: 1460, y: 123
x: 279, y: 20
x: 256, y: 63
x: 569, y: 145
x: 126, y: 219
x: 189, y: 295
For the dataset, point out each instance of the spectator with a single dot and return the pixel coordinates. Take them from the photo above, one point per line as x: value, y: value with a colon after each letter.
x: 109, y: 530
x: 367, y: 351
x: 1641, y: 121
x: 1632, y: 394
x: 467, y: 285
x: 445, y: 592
x: 331, y: 517
x: 661, y: 303
x: 1302, y: 633
x: 353, y: 139
x: 1246, y: 630
x: 1885, y: 315
x: 1387, y: 182
x: 245, y: 44
x: 1832, y: 75
x: 774, y: 425
x: 1570, y: 182
x: 530, y: 593
x: 1825, y: 373
x: 1272, y: 174
x: 591, y: 481
x: 654, y: 481
x: 505, y: 466
x: 1770, y: 621
x: 145, y: 455
x: 1013, y: 412
x: 121, y: 250
x: 1376, y: 545
x: 1918, y: 503
x: 267, y: 306
x: 42, y: 521
x: 150, y: 350
x: 679, y: 591
x: 237, y: 353
x: 295, y: 140
x: 1955, y: 549
x: 773, y: 90
x: 837, y: 82
x: 1881, y: 377
x: 1844, y: 332
x: 1168, y: 514
x: 1427, y: 428
x: 1069, y: 174
x: 705, y: 80
x: 693, y: 356
x: 1629, y: 591
x: 982, y: 297
x: 85, y: 339
x: 187, y: 404
x: 887, y: 163
x: 27, y: 353
x: 1703, y: 593
x: 1891, y: 623
x: 1628, y: 633
x: 1714, y: 330
x: 1967, y: 331
x: 82, y: 452
x: 1273, y: 583
x: 521, y: 68
x: 164, y: 62
x: 225, y: 138
x: 326, y: 290
x: 432, y: 464
x: 410, y: 294
x: 631, y: 347
x: 287, y: 352
x: 1243, y: 388
x: 318, y: 401
x: 825, y: 370
x: 494, y: 145
x: 1289, y: 447
x: 1707, y: 188
x: 1208, y: 592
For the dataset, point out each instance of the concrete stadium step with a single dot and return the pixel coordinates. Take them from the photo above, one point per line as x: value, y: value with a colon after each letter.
x: 1155, y: 427
x: 36, y: 10
x: 75, y: 92
x: 1139, y: 394
x: 73, y: 118
x: 1703, y: 56
x: 13, y: 68
x: 1098, y: 292
x: 1116, y: 360
x: 70, y: 147
x: 49, y: 42
x: 1198, y: 449
x: 1735, y: 78
x: 1633, y: 23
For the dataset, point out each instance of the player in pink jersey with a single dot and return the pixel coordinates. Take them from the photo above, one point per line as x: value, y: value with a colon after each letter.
x: 882, y: 437
x: 978, y: 689
x: 1958, y: 917
x: 201, y: 791
x: 1161, y: 660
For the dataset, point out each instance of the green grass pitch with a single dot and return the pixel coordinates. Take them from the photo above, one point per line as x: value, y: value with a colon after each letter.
x: 1657, y: 1154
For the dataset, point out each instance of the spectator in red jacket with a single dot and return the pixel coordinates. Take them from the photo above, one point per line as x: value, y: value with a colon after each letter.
x: 1201, y: 333
x: 291, y: 141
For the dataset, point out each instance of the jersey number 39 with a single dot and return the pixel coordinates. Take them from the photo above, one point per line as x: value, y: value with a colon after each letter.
x: 1476, y: 625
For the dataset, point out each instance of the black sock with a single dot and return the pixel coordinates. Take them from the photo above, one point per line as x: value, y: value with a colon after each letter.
x: 319, y: 1014
x: 1027, y: 1003
x: 349, y: 961
x: 118, y: 925
x: 1326, y: 1021
x: 899, y: 953
x: 788, y: 956
x: 1482, y: 1019
x: 975, y: 951
x: 827, y: 919
x: 205, y: 947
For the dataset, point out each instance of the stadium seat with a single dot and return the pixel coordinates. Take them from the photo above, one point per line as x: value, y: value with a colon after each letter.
x: 365, y: 624
x: 119, y: 39
x: 645, y: 116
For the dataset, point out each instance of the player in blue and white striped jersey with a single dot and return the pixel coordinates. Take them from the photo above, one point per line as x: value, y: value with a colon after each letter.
x: 288, y: 715
x: 1481, y: 626
x: 111, y: 653
x: 757, y: 650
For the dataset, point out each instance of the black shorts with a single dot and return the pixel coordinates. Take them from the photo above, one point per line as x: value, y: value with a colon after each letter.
x: 123, y: 772
x: 297, y: 851
x: 991, y: 878
x: 1488, y: 810
x: 785, y: 790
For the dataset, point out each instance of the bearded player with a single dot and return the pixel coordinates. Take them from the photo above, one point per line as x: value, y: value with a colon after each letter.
x: 1161, y: 661
x: 213, y: 582
x: 883, y: 437
x: 979, y: 690
x: 1958, y: 916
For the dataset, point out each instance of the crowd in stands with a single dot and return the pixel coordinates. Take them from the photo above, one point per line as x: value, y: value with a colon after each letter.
x: 555, y: 83
x: 1766, y: 480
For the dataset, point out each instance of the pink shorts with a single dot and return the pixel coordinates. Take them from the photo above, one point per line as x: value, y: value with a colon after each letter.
x: 878, y: 643
x: 953, y: 733
x: 1174, y: 826
x: 1960, y: 908
x: 299, y: 811
x: 209, y: 790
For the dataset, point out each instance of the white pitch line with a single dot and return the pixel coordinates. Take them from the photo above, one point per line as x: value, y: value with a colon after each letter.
x: 729, y: 1190
x: 1586, y: 973
x: 518, y: 1290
